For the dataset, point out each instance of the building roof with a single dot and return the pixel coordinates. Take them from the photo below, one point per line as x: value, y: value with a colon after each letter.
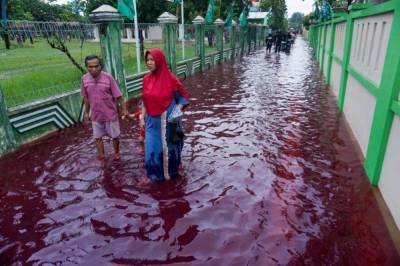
x: 257, y: 15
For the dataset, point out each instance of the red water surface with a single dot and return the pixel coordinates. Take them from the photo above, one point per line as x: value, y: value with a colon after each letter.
x: 271, y: 178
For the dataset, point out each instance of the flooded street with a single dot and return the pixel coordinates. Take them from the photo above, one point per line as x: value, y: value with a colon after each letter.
x: 272, y: 177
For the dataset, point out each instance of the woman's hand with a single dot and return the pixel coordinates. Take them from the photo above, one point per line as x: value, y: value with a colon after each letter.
x: 141, y: 121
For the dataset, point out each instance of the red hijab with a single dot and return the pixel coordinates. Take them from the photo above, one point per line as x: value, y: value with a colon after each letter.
x: 160, y: 85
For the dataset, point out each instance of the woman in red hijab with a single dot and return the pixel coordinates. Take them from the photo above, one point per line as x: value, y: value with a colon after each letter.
x: 163, y: 99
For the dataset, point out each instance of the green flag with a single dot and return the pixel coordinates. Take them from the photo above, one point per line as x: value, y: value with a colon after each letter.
x: 125, y: 7
x: 210, y: 12
x: 228, y: 20
x: 243, y: 18
x: 243, y: 15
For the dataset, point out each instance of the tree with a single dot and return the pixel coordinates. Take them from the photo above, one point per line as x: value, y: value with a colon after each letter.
x: 277, y: 19
x: 77, y: 7
x: 40, y: 11
x: 3, y: 26
x: 306, y: 21
x: 296, y: 21
x: 57, y: 42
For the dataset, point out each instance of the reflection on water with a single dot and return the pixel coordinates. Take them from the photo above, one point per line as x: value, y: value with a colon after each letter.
x: 271, y: 177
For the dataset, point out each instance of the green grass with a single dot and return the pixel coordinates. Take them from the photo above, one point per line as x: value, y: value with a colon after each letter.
x: 32, y: 72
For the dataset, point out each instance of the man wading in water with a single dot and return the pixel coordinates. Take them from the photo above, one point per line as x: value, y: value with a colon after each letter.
x: 100, y: 93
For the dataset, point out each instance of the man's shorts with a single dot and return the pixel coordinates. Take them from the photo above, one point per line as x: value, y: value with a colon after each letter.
x: 103, y: 128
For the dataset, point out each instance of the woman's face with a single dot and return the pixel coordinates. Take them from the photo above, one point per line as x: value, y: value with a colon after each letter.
x: 151, y: 64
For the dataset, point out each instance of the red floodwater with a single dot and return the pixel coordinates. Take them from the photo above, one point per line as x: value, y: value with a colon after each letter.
x: 271, y: 178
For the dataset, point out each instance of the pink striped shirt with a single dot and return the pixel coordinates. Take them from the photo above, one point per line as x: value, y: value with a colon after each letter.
x: 102, y: 93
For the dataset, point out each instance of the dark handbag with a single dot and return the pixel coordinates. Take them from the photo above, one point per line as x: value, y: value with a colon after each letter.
x: 176, y: 133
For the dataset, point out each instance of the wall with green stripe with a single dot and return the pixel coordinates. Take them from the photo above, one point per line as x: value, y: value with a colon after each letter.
x: 358, y: 54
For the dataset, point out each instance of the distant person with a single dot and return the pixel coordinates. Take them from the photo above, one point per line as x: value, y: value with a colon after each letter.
x: 278, y: 42
x: 164, y: 98
x: 268, y: 42
x: 100, y: 93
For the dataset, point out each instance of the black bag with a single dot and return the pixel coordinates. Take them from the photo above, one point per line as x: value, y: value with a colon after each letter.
x: 176, y: 133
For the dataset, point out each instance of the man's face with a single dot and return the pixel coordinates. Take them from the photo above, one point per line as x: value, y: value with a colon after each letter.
x: 94, y: 67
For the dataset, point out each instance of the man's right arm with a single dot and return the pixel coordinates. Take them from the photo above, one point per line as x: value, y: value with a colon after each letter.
x: 86, y: 102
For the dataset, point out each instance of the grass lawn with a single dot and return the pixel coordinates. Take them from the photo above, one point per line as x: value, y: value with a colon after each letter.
x: 32, y: 72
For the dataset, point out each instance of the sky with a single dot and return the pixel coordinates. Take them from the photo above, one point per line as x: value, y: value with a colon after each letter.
x: 304, y: 7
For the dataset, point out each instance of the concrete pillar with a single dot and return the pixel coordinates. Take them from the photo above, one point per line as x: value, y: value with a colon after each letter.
x: 199, y: 24
x: 7, y: 138
x: 249, y: 37
x: 169, y: 22
x: 233, y: 38
x: 110, y: 41
x: 219, y: 25
x: 242, y: 38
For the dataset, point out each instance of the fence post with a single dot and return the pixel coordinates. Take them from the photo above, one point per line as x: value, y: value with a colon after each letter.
x: 256, y: 37
x: 111, y: 46
x: 249, y: 37
x: 199, y: 24
x: 325, y: 31
x: 219, y: 24
x: 318, y: 41
x: 383, y: 115
x: 169, y: 22
x: 7, y: 138
x: 233, y: 38
x: 264, y: 35
x: 345, y: 61
x: 330, y: 52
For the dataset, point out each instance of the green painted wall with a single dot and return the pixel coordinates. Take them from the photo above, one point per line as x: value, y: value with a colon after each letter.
x: 386, y: 94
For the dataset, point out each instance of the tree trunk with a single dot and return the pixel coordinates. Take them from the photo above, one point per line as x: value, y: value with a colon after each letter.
x: 6, y: 40
x: 3, y: 14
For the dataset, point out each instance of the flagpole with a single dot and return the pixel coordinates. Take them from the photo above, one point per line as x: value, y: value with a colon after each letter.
x: 183, y: 31
x: 137, y: 38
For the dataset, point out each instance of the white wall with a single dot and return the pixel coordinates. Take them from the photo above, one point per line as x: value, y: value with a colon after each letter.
x: 359, y: 107
x: 389, y: 183
x: 369, y: 45
x: 336, y: 75
x: 328, y: 37
x: 340, y: 34
x: 368, y: 50
x: 154, y: 33
x: 325, y: 67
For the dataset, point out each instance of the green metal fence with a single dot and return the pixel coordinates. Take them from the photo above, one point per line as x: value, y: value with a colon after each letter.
x: 32, y: 69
